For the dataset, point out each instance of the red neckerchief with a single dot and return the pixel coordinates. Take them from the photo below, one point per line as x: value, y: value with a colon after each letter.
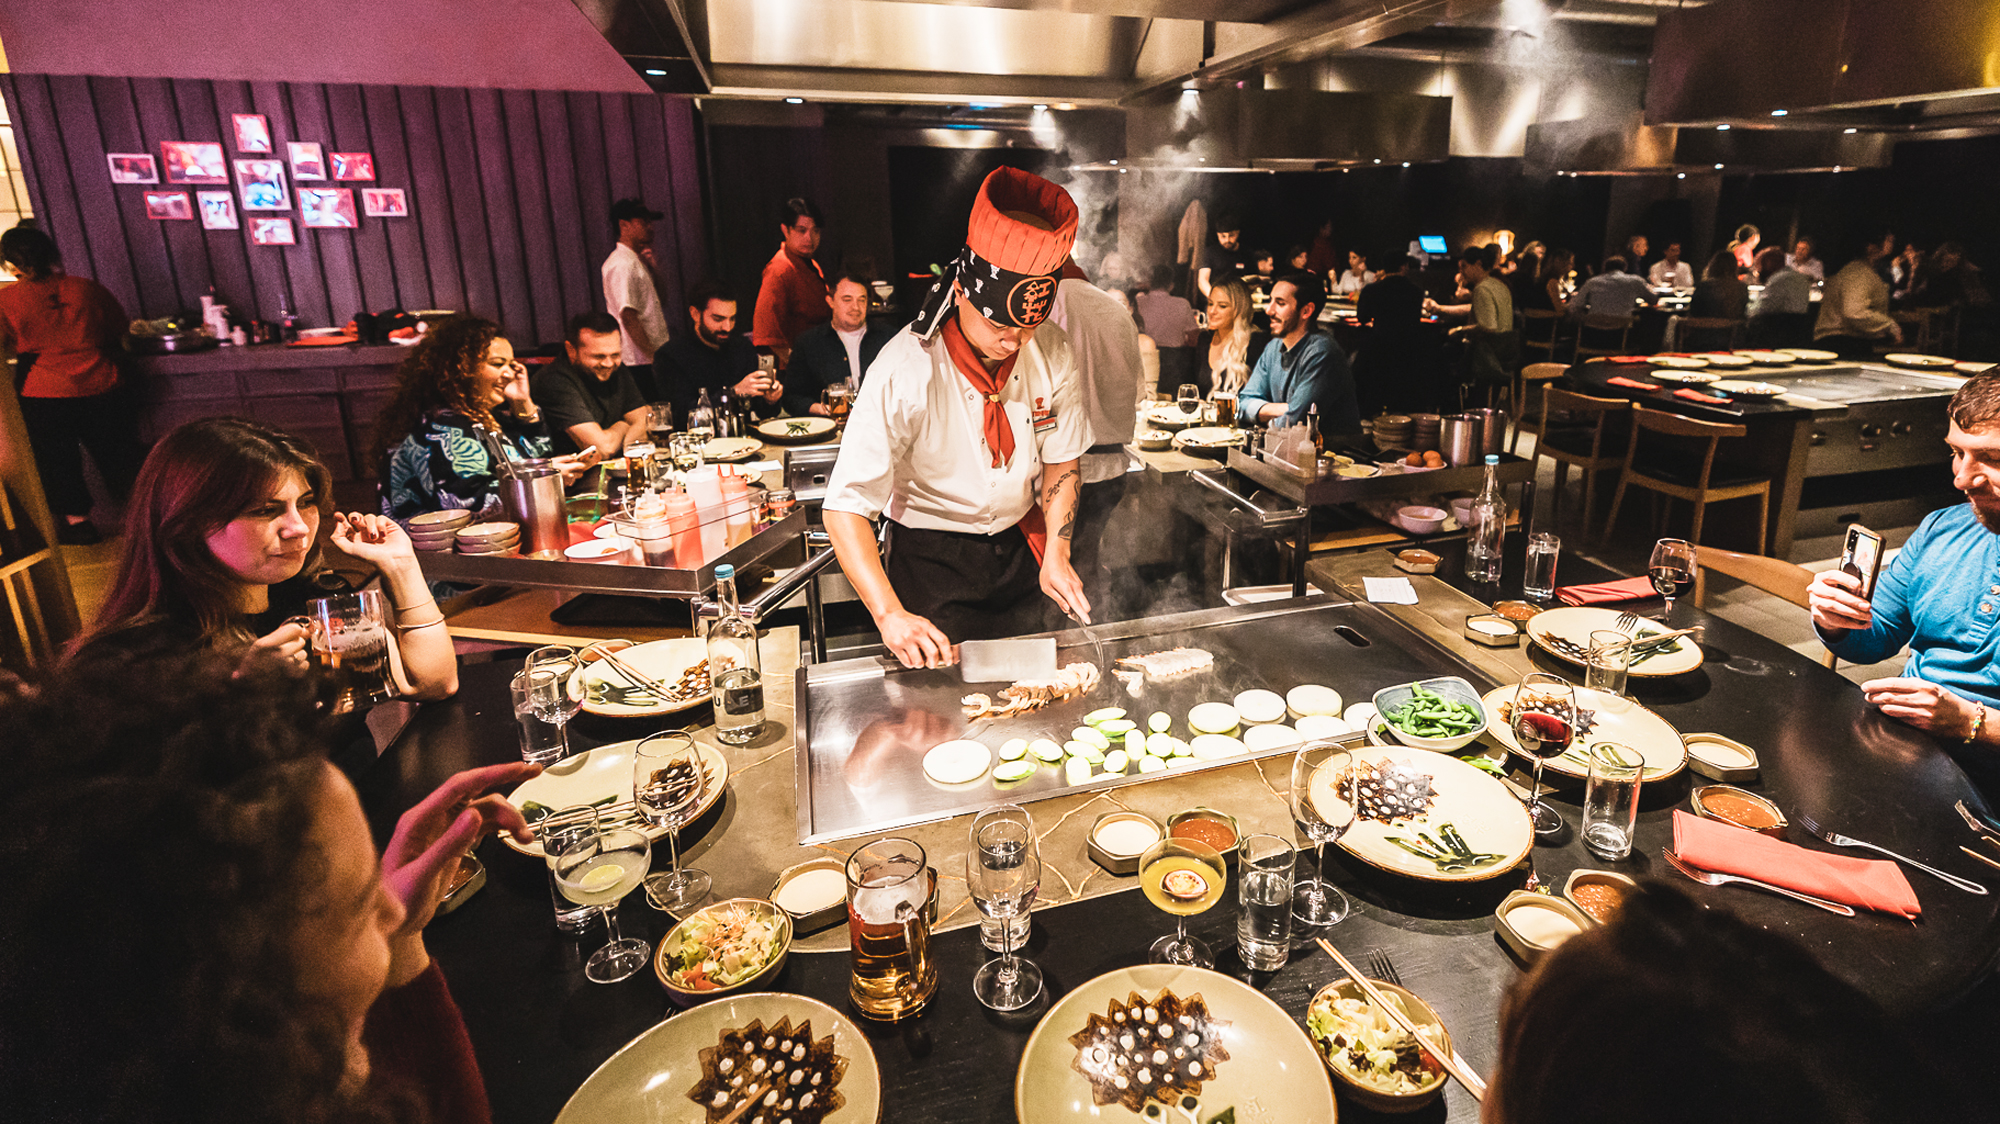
x: 999, y: 432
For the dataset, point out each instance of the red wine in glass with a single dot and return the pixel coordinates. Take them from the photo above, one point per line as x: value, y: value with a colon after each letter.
x: 1542, y: 734
x: 1671, y: 582
x: 1544, y: 725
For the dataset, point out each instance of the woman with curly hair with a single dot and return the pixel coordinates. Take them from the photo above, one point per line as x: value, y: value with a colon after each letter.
x: 201, y: 928
x: 449, y: 388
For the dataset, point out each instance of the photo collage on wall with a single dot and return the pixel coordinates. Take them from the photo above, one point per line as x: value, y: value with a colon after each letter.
x: 264, y: 181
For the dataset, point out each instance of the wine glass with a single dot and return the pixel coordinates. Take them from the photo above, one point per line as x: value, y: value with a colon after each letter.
x: 660, y: 424
x: 1324, y: 809
x: 600, y: 867
x: 666, y: 784
x: 1544, y: 723
x: 1188, y: 398
x: 1003, y: 871
x: 1183, y: 877
x: 548, y: 673
x: 1672, y: 571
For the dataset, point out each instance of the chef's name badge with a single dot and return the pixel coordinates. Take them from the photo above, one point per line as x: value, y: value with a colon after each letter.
x: 1043, y: 416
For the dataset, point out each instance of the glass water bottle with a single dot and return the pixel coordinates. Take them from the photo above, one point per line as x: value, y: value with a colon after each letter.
x: 733, y: 666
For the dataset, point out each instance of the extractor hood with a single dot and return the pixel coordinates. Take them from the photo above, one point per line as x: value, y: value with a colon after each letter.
x: 1284, y: 130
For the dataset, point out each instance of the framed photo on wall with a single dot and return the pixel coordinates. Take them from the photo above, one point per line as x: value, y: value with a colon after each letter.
x: 133, y: 167
x: 307, y: 161
x: 218, y: 210
x: 262, y: 183
x: 327, y: 208
x: 253, y: 132
x: 353, y: 165
x: 194, y: 162
x: 384, y: 203
x: 272, y: 232
x: 168, y: 205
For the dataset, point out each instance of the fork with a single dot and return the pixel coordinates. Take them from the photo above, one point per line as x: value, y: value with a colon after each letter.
x: 1382, y: 968
x: 1628, y: 622
x: 1716, y: 878
x: 1839, y: 840
x: 1975, y: 820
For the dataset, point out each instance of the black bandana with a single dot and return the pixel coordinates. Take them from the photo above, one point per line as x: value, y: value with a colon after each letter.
x: 1016, y: 300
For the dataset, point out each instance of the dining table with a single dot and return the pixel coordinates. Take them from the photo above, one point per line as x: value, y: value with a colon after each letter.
x: 539, y: 1028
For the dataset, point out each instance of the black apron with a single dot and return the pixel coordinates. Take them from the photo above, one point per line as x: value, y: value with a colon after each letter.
x: 971, y: 586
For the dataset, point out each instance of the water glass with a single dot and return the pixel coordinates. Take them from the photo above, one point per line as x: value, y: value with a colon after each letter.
x: 1323, y: 810
x: 566, y: 827
x: 1611, y: 800
x: 667, y: 782
x: 1003, y: 873
x: 1264, y: 897
x: 542, y: 742
x: 1608, y: 660
x: 1538, y: 582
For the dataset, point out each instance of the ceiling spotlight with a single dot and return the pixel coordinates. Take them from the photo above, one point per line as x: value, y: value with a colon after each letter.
x: 1042, y: 108
x: 1781, y: 112
x: 1122, y: 171
x: 1718, y: 167
x: 795, y: 101
x: 1378, y: 161
x: 1406, y: 163
x: 1836, y: 167
x: 1680, y: 175
x: 1850, y: 130
x: 1114, y: 163
x: 657, y: 73
x: 1722, y: 128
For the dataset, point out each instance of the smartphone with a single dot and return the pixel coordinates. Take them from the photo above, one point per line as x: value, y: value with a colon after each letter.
x: 1861, y: 556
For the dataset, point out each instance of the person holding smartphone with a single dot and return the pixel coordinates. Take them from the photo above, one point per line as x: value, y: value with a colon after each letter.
x: 1940, y: 596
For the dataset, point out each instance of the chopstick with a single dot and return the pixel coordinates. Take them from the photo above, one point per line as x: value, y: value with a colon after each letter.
x: 756, y: 1092
x: 1453, y: 1063
x: 1980, y: 857
x: 632, y: 675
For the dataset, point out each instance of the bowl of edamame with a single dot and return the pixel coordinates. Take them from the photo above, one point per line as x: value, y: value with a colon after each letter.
x: 1443, y: 714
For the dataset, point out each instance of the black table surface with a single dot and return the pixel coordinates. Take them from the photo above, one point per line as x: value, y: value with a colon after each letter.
x: 539, y: 1028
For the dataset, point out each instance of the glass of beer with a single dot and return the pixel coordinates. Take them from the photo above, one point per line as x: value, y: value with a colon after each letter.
x: 1225, y: 408
x: 889, y: 885
x: 839, y: 400
x: 350, y: 641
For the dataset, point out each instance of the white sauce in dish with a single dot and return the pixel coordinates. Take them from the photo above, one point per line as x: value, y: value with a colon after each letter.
x: 809, y: 891
x: 1542, y: 926
x: 1491, y: 628
x: 1126, y: 837
x: 1717, y: 753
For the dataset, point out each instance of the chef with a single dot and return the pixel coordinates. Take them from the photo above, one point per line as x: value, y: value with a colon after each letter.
x: 966, y: 437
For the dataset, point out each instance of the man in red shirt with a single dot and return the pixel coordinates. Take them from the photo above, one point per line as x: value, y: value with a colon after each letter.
x: 65, y: 334
x: 792, y: 296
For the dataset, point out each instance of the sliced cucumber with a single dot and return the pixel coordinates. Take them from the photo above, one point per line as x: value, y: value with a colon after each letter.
x: 1015, y: 770
x: 1076, y: 771
x: 1091, y: 754
x: 1182, y: 749
x: 1013, y: 749
x: 1090, y: 735
x: 1135, y: 744
x: 1160, y: 722
x: 1151, y: 764
x: 1117, y: 727
x: 1047, y: 749
x: 1160, y: 745
x: 1107, y: 714
x: 1213, y: 718
x: 1115, y: 761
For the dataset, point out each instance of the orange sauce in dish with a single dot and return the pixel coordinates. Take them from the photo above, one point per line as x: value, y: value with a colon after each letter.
x: 1201, y: 829
x: 1597, y: 899
x: 1738, y: 810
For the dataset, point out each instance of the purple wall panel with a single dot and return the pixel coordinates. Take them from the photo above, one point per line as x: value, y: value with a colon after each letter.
x: 572, y: 269
x: 404, y: 240
x: 684, y: 208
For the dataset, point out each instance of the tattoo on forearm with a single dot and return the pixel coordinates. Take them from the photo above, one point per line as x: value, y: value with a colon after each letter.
x: 1062, y: 496
x: 1054, y: 491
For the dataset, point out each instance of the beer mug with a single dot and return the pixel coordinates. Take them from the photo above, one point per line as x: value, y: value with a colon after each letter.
x: 889, y: 888
x: 350, y: 641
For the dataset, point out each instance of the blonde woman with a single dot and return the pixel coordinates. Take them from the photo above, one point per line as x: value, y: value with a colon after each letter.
x: 1229, y: 347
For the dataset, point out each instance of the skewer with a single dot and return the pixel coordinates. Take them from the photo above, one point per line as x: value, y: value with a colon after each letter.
x: 1450, y: 1059
x: 1980, y: 857
x: 736, y: 1114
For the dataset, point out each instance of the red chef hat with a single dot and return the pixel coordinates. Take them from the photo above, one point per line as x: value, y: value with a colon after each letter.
x: 1018, y: 238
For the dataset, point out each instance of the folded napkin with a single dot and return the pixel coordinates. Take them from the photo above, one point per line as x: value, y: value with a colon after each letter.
x: 1698, y: 396
x: 1604, y: 593
x: 1635, y: 384
x: 1864, y: 883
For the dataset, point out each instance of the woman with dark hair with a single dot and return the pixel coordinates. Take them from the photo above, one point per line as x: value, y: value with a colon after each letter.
x: 446, y: 391
x: 1548, y: 292
x: 201, y: 929
x: 1677, y: 1014
x: 66, y: 334
x: 1225, y: 351
x: 1743, y: 247
x: 1720, y: 292
x: 222, y: 545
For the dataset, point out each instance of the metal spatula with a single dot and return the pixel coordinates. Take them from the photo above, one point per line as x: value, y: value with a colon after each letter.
x: 1006, y: 661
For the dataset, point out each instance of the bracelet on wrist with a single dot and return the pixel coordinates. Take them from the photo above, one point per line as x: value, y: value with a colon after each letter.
x: 1978, y: 723
x: 439, y: 619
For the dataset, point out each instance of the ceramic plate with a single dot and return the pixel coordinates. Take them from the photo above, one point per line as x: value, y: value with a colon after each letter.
x: 606, y: 771
x: 1769, y: 358
x: 1208, y: 437
x: 1166, y: 415
x: 1929, y: 362
x: 1680, y: 362
x: 649, y: 1078
x: 664, y: 660
x: 1685, y: 378
x: 1810, y: 354
x: 1617, y: 720
x: 1272, y: 1073
x: 1726, y: 359
x: 795, y: 431
x: 1742, y: 389
x: 731, y: 449
x: 1489, y: 818
x: 1576, y: 625
x: 1973, y: 368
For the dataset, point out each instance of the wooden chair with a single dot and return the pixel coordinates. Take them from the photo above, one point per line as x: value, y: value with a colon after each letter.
x: 1787, y: 580
x: 1684, y: 478
x: 1577, y: 445
x: 1529, y: 375
x: 1541, y: 333
x: 1710, y: 333
x: 1920, y: 330
x: 1602, y: 325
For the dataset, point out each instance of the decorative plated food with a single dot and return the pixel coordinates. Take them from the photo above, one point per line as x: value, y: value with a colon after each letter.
x: 1600, y: 716
x: 1565, y: 634
x: 780, y: 1068
x: 1427, y: 815
x: 1149, y: 1050
x: 1739, y: 388
x: 726, y: 945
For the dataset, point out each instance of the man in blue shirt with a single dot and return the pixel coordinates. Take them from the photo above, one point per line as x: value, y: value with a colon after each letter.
x: 1300, y: 366
x: 1940, y: 596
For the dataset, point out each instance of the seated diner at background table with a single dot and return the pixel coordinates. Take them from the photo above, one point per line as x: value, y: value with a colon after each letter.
x: 1613, y: 292
x: 1225, y: 350
x: 1937, y: 596
x: 223, y: 544
x: 715, y: 356
x: 590, y: 398
x: 1549, y: 290
x: 1854, y: 309
x: 1673, y: 1013
x: 1670, y: 270
x: 1302, y: 367
x: 456, y: 377
x: 201, y: 927
x: 838, y: 351
x: 1720, y: 293
x: 1782, y: 315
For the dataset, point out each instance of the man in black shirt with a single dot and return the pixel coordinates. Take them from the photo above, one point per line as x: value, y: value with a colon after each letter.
x: 1392, y: 303
x: 714, y: 358
x: 1398, y: 365
x: 1223, y: 258
x: 588, y: 398
x: 836, y: 351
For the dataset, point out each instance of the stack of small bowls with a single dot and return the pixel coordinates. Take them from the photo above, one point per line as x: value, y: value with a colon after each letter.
x: 490, y: 538
x: 1392, y: 431
x: 437, y: 530
x: 1424, y: 431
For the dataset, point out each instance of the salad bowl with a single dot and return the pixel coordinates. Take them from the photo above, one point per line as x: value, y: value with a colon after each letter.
x: 731, y: 946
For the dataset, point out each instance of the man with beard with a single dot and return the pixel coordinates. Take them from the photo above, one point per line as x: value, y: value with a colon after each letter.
x: 713, y: 358
x: 1224, y: 257
x: 1300, y: 367
x: 1940, y: 595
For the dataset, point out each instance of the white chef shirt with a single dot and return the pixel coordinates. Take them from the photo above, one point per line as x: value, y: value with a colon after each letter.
x: 915, y: 446
x: 852, y: 342
x: 1105, y: 342
x: 629, y: 284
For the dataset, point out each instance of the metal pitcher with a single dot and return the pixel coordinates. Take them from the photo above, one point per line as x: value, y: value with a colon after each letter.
x: 532, y: 491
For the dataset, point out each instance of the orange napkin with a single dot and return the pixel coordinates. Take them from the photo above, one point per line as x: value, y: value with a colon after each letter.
x: 1698, y: 396
x: 1604, y: 593
x: 1635, y: 384
x: 1864, y: 883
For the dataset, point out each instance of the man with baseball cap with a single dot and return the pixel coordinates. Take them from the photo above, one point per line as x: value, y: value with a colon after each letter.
x: 967, y: 436
x: 630, y: 295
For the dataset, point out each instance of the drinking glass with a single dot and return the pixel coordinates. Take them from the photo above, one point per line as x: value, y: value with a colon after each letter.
x: 1324, y: 810
x: 1538, y: 580
x: 350, y: 640
x: 1607, y: 660
x: 1188, y: 398
x: 839, y: 398
x: 1544, y: 723
x: 666, y: 784
x: 660, y: 424
x: 889, y: 890
x: 549, y: 673
x: 1183, y: 877
x: 561, y: 829
x: 1003, y: 871
x: 686, y: 451
x: 542, y: 743
x: 600, y: 867
x: 1672, y: 571
x: 639, y: 461
x: 778, y: 503
x: 1611, y: 802
x: 1264, y: 872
